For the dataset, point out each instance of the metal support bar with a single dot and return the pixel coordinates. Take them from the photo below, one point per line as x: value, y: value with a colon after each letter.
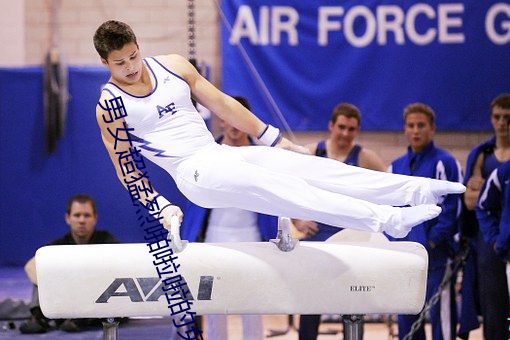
x: 110, y: 329
x: 353, y: 327
x: 191, y: 30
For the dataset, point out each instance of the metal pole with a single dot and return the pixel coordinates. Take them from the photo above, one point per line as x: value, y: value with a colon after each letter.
x: 191, y: 30
x: 353, y: 327
x: 110, y: 329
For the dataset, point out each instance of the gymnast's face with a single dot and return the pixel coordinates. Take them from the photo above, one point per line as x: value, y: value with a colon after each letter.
x: 82, y: 221
x: 344, y: 131
x: 419, y: 131
x: 125, y: 64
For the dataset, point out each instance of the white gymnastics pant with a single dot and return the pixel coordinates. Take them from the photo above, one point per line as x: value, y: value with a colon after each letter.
x: 278, y: 182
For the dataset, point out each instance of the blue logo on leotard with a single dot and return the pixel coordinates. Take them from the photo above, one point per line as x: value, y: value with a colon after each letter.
x: 164, y: 110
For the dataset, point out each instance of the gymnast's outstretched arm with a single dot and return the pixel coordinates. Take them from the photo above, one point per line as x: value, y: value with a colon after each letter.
x: 222, y: 105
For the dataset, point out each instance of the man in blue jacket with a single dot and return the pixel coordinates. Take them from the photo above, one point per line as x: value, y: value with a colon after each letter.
x: 493, y: 215
x: 493, y: 212
x: 424, y: 159
x: 484, y: 278
x: 229, y: 225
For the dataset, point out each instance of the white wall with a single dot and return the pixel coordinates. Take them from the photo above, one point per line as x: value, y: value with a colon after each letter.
x: 12, y: 32
x: 160, y: 25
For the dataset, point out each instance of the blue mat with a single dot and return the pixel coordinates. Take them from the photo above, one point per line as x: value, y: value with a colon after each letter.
x: 134, y: 329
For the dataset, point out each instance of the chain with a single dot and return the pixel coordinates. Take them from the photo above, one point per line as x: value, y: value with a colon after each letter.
x: 458, y: 266
x: 191, y: 30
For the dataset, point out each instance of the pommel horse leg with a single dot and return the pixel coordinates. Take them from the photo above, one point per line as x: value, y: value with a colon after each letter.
x: 353, y: 327
x: 110, y: 329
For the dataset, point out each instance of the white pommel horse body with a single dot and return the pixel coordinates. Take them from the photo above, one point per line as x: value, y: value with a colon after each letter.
x: 353, y: 277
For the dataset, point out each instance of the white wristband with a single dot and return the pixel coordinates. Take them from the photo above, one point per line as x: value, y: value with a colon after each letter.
x: 270, y: 136
x: 160, y: 203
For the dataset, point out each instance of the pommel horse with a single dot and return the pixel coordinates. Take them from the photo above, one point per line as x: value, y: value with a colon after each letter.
x: 347, y: 275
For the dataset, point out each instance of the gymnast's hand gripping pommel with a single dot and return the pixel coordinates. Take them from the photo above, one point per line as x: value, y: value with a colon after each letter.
x: 172, y: 218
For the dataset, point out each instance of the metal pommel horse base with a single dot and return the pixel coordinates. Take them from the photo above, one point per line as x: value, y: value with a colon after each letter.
x: 110, y: 329
x: 352, y: 274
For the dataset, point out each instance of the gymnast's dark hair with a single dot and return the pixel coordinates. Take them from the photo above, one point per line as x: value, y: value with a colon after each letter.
x: 112, y: 35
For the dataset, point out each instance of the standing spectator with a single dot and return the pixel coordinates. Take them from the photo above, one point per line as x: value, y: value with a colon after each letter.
x: 493, y: 213
x: 344, y: 128
x: 484, y: 277
x: 424, y: 159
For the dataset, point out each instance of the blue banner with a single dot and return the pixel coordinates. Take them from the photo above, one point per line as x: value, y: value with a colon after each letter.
x: 295, y: 60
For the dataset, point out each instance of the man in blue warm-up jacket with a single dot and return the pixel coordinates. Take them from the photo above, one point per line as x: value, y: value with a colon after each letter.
x: 424, y: 159
x: 493, y: 211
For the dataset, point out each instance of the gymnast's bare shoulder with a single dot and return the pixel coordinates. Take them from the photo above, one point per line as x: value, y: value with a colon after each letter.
x: 179, y: 65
